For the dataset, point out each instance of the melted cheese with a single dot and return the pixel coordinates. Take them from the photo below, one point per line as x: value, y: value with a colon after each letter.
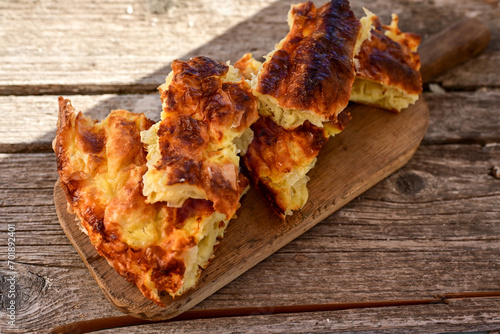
x: 279, y: 159
x: 241, y: 143
x: 387, y: 67
x: 374, y: 93
x: 285, y: 117
x: 285, y: 189
x: 293, y: 190
x: 198, y: 257
x: 365, y: 31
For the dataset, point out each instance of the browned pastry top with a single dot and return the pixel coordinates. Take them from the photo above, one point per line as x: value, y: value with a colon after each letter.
x: 390, y: 62
x: 275, y: 153
x: 202, y: 113
x: 198, y: 91
x: 313, y: 68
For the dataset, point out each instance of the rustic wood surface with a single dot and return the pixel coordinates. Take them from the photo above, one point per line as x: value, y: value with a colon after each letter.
x: 430, y: 228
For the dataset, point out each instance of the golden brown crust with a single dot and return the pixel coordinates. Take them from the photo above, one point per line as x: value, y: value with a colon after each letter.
x: 202, y: 114
x: 197, y: 91
x: 248, y: 66
x: 392, y: 62
x: 101, y: 166
x: 313, y: 68
x: 275, y: 153
x: 277, y: 159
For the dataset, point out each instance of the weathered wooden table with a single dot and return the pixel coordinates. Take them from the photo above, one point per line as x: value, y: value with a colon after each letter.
x: 429, y: 231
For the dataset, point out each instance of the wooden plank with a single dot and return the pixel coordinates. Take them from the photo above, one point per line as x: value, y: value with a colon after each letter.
x: 32, y: 119
x: 463, y: 117
x: 453, y: 225
x: 425, y: 241
x: 454, y: 116
x: 458, y: 316
x: 111, y: 46
x: 54, y: 47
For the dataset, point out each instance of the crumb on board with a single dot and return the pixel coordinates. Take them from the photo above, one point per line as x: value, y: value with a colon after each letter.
x: 495, y: 171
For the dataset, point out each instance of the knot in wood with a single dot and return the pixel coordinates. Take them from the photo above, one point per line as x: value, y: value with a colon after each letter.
x: 410, y: 184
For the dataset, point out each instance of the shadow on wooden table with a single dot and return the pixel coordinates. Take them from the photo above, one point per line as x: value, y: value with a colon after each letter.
x: 257, y: 35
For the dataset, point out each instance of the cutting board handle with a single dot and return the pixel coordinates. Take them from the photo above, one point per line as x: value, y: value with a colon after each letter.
x: 452, y: 46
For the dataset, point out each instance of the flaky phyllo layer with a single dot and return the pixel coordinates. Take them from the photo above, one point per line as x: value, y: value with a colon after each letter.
x: 208, y: 108
x: 279, y: 159
x: 101, y: 167
x: 309, y: 74
x: 387, y: 67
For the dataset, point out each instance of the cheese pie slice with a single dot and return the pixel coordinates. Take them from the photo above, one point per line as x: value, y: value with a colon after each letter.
x: 101, y: 167
x: 208, y: 108
x: 387, y: 67
x: 309, y: 74
x: 278, y: 159
x: 302, y: 87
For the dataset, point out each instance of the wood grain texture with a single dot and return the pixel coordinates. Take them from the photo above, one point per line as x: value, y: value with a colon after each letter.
x: 46, y: 50
x: 27, y: 134
x: 463, y: 117
x: 118, y: 46
x: 455, y: 116
x: 375, y: 144
x: 124, y: 321
x: 33, y: 119
x: 464, y: 39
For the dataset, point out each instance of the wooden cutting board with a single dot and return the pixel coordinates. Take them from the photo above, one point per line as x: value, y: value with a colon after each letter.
x: 374, y: 145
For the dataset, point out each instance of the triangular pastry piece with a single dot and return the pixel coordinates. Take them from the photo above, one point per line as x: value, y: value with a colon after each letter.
x: 387, y: 67
x: 309, y: 74
x: 208, y: 108
x: 302, y: 87
x: 101, y: 167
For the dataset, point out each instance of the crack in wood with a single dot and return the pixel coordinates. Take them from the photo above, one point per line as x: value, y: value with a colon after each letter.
x: 416, y: 201
x: 123, y: 89
x: 460, y: 141
x: 68, y: 89
x: 124, y: 321
x: 55, y: 266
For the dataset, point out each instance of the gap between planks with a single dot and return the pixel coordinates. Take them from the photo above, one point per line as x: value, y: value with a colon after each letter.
x: 125, y: 321
x: 137, y: 89
x: 81, y: 89
x: 456, y: 118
